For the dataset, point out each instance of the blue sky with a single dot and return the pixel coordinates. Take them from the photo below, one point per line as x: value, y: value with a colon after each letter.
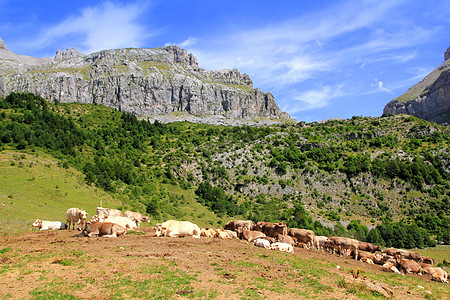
x: 320, y: 59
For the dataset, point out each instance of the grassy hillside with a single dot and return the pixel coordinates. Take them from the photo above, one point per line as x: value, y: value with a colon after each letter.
x: 36, y: 185
x: 391, y: 173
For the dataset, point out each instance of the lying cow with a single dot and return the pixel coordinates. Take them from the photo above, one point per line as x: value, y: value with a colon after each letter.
x: 251, y: 235
x: 105, y: 229
x: 282, y: 247
x: 122, y: 221
x: 236, y: 225
x: 390, y: 267
x: 75, y: 216
x: 101, y: 211
x: 285, y: 239
x: 259, y: 242
x: 436, y: 273
x: 136, y: 217
x: 48, y: 225
x: 271, y: 229
x: 173, y: 228
x: 408, y: 265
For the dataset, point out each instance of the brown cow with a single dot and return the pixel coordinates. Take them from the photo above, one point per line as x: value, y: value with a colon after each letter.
x: 368, y: 247
x: 271, y: 229
x: 436, y: 273
x: 345, y: 243
x: 426, y: 260
x: 136, y: 217
x: 236, y: 225
x: 251, y: 235
x: 285, y: 239
x: 302, y: 236
x: 105, y: 229
x: 407, y: 265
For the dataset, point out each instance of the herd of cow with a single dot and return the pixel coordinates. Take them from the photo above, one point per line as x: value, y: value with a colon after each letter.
x: 111, y: 223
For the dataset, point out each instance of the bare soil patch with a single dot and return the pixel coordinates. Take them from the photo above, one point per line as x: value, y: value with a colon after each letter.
x: 55, y: 264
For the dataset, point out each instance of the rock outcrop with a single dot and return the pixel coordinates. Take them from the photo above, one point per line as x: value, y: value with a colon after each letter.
x: 429, y: 99
x: 143, y: 82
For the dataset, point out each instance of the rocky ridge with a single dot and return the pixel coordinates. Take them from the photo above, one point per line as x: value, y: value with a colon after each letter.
x: 145, y: 82
x: 429, y: 99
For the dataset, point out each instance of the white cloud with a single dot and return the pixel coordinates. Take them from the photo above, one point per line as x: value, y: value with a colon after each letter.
x: 105, y: 26
x: 315, y: 98
x: 382, y: 88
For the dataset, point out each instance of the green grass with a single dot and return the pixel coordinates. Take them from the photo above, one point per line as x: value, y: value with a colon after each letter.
x: 35, y: 186
x: 439, y: 253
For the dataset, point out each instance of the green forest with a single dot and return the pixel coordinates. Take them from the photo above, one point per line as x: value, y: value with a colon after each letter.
x: 388, y: 177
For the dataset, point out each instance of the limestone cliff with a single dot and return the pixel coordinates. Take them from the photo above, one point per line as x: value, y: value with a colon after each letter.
x: 144, y: 82
x: 429, y: 99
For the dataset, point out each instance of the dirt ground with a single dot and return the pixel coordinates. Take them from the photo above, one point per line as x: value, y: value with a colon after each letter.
x: 56, y: 264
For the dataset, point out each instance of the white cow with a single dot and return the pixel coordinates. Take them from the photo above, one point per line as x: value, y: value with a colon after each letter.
x: 262, y: 243
x: 48, y: 225
x: 76, y: 215
x: 319, y: 241
x: 282, y: 247
x: 136, y: 217
x: 173, y: 228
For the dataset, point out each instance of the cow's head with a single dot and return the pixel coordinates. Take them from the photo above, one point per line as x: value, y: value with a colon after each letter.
x: 37, y: 223
x: 160, y: 230
x: 82, y: 225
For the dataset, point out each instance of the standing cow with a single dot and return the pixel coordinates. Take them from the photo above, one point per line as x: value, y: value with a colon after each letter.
x: 302, y: 236
x: 76, y: 216
x: 237, y: 225
x: 271, y: 229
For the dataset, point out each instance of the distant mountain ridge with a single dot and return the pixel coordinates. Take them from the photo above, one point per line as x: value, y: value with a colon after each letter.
x: 429, y: 99
x: 143, y: 82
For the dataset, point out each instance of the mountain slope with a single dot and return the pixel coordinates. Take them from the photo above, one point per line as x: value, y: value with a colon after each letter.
x: 144, y: 82
x: 429, y: 99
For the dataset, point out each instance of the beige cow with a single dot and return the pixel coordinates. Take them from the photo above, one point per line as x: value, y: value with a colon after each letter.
x: 76, y: 216
x: 173, y: 228
x: 136, y: 217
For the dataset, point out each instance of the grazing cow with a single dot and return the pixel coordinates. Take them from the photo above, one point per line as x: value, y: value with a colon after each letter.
x: 251, y: 235
x: 236, y: 225
x: 48, y: 225
x: 319, y: 241
x: 285, y: 239
x: 271, y: 229
x: 390, y: 267
x: 282, y: 247
x: 408, y: 266
x: 136, y: 217
x: 260, y: 242
x: 101, y: 211
x: 75, y: 215
x: 345, y: 243
x: 436, y: 273
x: 368, y: 247
x: 105, y: 229
x: 173, y: 228
x: 302, y: 236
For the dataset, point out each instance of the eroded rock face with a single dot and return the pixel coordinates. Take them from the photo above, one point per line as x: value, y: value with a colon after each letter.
x: 429, y: 99
x: 144, y: 82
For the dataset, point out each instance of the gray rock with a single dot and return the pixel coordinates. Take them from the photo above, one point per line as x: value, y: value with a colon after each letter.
x: 429, y: 99
x: 2, y: 44
x: 447, y: 54
x: 143, y: 82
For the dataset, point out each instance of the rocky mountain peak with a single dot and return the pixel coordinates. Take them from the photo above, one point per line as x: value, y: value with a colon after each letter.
x: 447, y: 54
x: 68, y: 53
x: 2, y: 44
